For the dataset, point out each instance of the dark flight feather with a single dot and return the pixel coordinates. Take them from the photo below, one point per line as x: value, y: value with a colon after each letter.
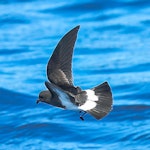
x: 59, y: 66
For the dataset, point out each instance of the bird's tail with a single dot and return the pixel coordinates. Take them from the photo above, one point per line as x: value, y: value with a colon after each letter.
x: 103, y: 102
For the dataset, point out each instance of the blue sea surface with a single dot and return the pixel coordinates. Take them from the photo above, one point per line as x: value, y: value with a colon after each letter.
x: 113, y: 45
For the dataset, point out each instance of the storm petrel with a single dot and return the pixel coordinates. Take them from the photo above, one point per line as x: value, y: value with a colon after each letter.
x: 62, y: 93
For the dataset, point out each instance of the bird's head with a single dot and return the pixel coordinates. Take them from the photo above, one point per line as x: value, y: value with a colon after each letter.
x: 45, y: 96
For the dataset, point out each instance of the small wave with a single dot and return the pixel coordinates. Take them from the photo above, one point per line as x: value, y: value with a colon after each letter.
x: 6, y: 2
x: 13, y: 19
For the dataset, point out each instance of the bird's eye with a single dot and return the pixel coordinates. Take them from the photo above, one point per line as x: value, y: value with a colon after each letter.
x: 40, y: 96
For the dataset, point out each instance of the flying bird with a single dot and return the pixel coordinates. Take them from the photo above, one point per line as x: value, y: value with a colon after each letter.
x: 61, y: 91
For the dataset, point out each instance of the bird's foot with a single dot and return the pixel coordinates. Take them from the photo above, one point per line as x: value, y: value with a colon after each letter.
x: 81, y: 118
x: 82, y: 115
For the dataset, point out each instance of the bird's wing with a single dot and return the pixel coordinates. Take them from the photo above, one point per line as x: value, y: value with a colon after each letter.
x: 59, y: 66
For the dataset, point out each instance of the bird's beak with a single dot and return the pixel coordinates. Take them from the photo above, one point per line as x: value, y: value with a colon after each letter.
x: 38, y: 101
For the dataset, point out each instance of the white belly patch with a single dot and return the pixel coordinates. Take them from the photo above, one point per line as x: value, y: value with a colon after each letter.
x: 91, y: 95
x: 91, y: 101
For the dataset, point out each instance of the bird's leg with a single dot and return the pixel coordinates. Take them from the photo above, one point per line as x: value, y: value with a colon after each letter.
x: 82, y: 115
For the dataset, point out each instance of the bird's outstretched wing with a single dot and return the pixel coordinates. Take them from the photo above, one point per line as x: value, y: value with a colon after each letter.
x: 59, y: 66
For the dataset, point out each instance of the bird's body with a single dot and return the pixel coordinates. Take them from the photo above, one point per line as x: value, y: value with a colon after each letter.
x: 61, y: 91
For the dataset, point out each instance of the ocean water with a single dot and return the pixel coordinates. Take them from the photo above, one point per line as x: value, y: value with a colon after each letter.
x: 113, y: 45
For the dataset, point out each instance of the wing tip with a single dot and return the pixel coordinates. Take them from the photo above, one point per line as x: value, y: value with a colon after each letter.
x: 76, y: 28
